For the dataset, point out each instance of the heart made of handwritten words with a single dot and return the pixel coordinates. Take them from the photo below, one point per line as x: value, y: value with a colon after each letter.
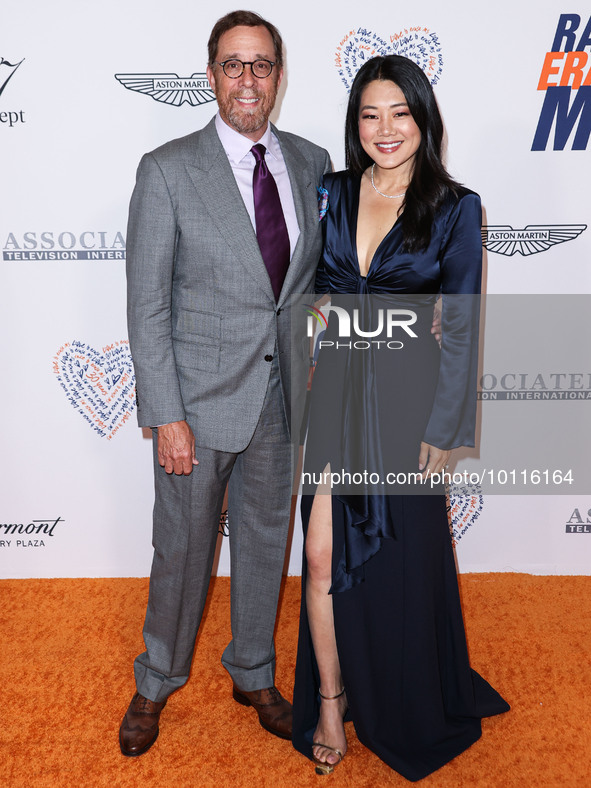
x: 464, y: 505
x: 416, y: 43
x: 100, y: 385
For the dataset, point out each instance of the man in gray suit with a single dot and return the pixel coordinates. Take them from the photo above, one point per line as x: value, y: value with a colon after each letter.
x: 209, y: 326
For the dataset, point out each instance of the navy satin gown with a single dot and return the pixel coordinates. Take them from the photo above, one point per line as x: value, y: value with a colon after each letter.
x: 413, y: 697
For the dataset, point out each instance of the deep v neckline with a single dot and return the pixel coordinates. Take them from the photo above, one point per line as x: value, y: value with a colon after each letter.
x: 354, y: 223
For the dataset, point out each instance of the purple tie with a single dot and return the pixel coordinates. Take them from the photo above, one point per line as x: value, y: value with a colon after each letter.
x: 271, y: 229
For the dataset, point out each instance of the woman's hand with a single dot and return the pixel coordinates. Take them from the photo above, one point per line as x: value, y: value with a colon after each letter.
x: 432, y: 459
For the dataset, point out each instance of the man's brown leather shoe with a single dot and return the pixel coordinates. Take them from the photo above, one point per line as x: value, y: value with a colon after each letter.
x: 139, y: 729
x: 275, y: 713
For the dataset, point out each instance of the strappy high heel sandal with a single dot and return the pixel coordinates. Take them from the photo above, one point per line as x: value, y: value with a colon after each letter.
x: 323, y: 767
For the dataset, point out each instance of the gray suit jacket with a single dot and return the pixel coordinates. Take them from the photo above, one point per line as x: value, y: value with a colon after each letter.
x: 202, y: 317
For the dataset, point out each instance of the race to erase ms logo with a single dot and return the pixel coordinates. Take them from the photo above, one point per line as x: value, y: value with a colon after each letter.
x: 566, y: 80
x: 416, y: 43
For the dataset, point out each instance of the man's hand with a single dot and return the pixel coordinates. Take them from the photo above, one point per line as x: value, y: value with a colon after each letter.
x: 432, y: 459
x: 176, y: 448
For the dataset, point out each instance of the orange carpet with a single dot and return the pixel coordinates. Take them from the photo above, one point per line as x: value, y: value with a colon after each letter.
x: 66, y: 675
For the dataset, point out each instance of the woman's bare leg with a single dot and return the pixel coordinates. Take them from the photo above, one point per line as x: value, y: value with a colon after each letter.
x: 330, y: 729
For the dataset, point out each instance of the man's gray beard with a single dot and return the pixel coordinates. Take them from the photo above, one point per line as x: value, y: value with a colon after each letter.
x: 247, y: 124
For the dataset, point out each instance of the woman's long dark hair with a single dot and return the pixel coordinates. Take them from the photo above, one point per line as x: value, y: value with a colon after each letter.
x: 430, y: 183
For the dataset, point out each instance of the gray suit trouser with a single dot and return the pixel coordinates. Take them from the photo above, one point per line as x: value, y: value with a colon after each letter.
x: 186, y: 521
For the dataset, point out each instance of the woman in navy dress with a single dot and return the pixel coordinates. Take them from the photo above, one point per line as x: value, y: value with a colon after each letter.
x: 381, y: 638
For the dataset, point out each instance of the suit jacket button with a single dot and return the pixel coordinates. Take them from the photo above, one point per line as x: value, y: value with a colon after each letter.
x: 268, y: 357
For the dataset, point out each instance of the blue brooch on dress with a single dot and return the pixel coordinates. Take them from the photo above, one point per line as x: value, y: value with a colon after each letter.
x: 322, y: 203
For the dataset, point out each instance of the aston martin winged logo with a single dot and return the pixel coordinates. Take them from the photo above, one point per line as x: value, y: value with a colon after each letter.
x: 170, y: 88
x: 534, y: 238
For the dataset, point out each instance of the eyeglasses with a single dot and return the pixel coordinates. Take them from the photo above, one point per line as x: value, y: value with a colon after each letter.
x: 235, y: 68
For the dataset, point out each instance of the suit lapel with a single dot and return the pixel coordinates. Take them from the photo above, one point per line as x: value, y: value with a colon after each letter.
x: 214, y: 180
x: 303, y: 188
x: 212, y: 177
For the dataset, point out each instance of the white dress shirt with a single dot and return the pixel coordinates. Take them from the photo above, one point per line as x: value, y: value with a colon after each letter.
x: 238, y: 149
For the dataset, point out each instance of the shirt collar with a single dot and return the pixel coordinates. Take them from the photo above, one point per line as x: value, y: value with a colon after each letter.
x: 237, y: 146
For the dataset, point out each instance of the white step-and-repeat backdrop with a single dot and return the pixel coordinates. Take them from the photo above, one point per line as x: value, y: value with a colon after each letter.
x: 87, y: 88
